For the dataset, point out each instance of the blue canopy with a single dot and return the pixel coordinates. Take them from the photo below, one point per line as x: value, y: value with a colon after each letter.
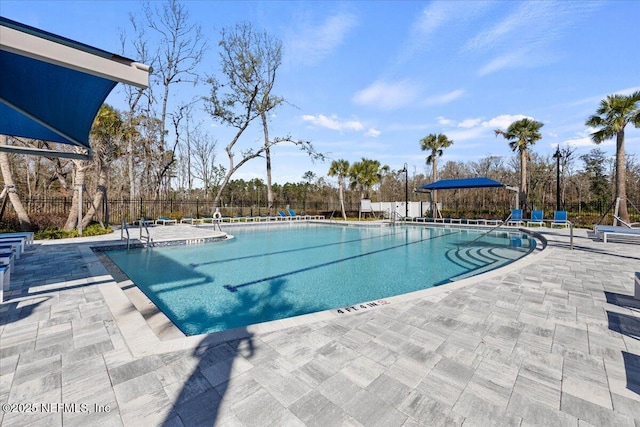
x: 51, y: 88
x: 450, y: 184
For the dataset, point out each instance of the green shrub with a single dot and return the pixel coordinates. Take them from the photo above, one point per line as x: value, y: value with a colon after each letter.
x: 51, y: 233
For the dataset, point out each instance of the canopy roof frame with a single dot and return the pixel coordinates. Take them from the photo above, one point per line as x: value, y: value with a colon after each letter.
x: 51, y: 87
x: 462, y: 183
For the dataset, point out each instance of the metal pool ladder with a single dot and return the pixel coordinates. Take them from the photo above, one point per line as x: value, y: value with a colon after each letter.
x: 145, y: 236
x: 124, y: 229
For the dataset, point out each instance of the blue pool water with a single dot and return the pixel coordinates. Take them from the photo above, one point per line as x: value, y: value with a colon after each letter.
x: 273, y: 272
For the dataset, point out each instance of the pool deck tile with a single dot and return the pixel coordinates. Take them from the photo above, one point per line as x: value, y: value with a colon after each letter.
x: 549, y: 340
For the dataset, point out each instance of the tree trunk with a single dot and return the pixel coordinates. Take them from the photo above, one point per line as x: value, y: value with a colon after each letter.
x: 98, y: 197
x: 621, y: 187
x: 72, y: 219
x: 132, y: 184
x: 341, y: 194
x: 434, y: 177
x: 23, y: 217
x: 267, y: 155
x: 523, y: 179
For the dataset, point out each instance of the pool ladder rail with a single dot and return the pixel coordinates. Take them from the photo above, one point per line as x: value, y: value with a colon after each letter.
x: 124, y: 229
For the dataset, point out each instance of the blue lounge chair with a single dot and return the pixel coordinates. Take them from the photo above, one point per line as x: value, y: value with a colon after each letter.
x: 537, y: 218
x: 560, y: 219
x: 5, y: 280
x: 283, y: 215
x: 516, y: 217
x: 627, y: 224
x: 293, y: 215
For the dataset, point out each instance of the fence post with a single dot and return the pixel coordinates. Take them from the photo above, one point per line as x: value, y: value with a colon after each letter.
x: 140, y: 211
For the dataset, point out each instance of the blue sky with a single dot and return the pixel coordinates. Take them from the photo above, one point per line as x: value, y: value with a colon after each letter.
x: 370, y: 79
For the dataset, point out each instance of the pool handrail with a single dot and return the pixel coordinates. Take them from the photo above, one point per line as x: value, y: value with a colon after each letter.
x: 124, y: 228
x: 487, y: 232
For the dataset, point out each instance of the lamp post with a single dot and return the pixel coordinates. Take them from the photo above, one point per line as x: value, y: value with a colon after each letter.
x: 557, y: 156
x: 406, y: 190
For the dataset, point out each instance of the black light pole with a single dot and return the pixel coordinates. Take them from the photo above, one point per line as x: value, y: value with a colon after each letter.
x: 557, y: 156
x: 406, y: 191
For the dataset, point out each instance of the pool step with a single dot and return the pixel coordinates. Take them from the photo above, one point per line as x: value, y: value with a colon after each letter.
x: 479, y: 259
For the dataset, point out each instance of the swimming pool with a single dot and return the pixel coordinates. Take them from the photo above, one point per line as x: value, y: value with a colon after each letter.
x: 274, y: 272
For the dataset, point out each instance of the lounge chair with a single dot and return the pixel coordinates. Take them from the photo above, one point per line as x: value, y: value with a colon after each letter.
x: 7, y: 257
x: 283, y: 215
x: 293, y: 215
x: 627, y: 224
x: 166, y: 220
x: 27, y: 235
x: 5, y: 280
x: 560, y: 219
x: 516, y: 217
x: 188, y: 220
x: 17, y: 245
x: 537, y: 218
x: 144, y: 221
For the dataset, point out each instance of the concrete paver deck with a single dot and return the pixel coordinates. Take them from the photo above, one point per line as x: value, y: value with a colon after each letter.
x: 552, y: 340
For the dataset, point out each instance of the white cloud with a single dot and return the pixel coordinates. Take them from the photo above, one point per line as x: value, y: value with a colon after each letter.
x: 466, y: 134
x: 309, y: 44
x: 387, y: 96
x: 526, y: 35
x: 475, y: 128
x: 333, y: 122
x: 579, y: 142
x: 373, y: 133
x: 503, y: 121
x: 444, y: 121
x: 444, y: 98
x: 436, y: 16
x: 469, y: 123
x: 509, y: 60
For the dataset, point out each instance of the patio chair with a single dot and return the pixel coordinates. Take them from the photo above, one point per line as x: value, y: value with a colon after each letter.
x: 537, y: 218
x: 166, y: 220
x: 627, y: 224
x: 17, y: 245
x: 560, y: 219
x: 283, y: 215
x: 144, y: 221
x: 5, y: 280
x: 293, y: 215
x: 516, y: 217
x: 7, y: 257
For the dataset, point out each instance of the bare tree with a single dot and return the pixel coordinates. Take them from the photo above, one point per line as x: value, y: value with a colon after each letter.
x: 182, y: 46
x: 204, y: 159
x: 238, y: 101
x: 134, y: 95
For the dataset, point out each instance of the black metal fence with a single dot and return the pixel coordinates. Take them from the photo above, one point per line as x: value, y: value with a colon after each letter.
x: 116, y: 209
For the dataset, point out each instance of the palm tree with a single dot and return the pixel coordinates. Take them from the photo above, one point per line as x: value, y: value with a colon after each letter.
x: 435, y: 144
x: 365, y: 174
x: 340, y: 168
x: 613, y: 115
x: 522, y: 134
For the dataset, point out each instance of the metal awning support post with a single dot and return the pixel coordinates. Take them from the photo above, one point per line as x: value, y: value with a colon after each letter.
x: 79, y: 208
x: 517, y: 191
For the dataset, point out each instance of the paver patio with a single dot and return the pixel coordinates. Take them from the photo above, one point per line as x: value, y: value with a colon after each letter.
x: 553, y: 339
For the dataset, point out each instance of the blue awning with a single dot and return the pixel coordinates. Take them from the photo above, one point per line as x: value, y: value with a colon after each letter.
x: 51, y: 87
x: 451, y: 184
